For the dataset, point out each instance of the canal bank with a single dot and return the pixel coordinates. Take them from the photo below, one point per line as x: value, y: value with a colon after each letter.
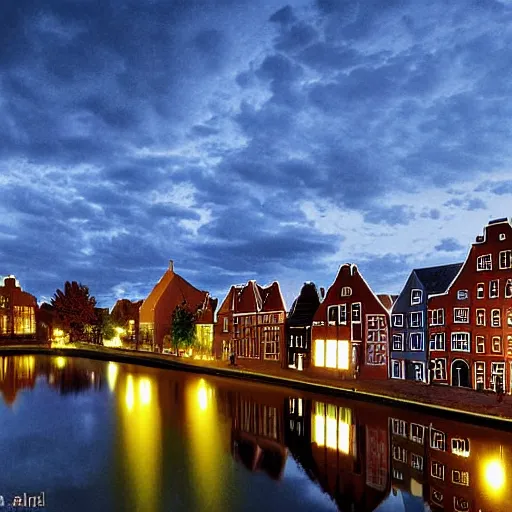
x: 453, y: 403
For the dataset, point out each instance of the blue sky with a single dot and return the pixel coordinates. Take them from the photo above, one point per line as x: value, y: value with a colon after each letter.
x: 248, y: 140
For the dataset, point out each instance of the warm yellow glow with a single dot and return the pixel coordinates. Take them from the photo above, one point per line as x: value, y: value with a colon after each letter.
x: 130, y: 395
x: 344, y: 437
x: 331, y: 440
x: 120, y: 331
x: 131, y: 322
x: 319, y: 353
x: 60, y: 362
x: 58, y: 333
x: 330, y: 354
x: 319, y: 430
x: 343, y: 350
x: 416, y: 488
x: 115, y: 342
x: 202, y: 395
x: 145, y: 391
x: 112, y: 372
x: 495, y: 475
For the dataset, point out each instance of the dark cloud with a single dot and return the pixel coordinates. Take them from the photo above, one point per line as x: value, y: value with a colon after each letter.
x: 466, y: 203
x: 449, y: 245
x: 500, y: 187
x: 284, y: 16
x: 392, y: 215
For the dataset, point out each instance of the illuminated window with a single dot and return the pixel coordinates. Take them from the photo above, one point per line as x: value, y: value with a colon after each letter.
x: 330, y: 354
x: 480, y: 372
x: 417, y: 462
x: 225, y: 326
x: 437, y: 440
x: 460, y: 477
x: 484, y: 262
x: 343, y: 351
x: 319, y: 353
x: 460, y: 447
x: 5, y: 324
x: 332, y: 427
x: 4, y: 302
x: 24, y: 320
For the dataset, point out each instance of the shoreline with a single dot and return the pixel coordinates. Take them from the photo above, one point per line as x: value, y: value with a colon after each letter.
x: 353, y: 390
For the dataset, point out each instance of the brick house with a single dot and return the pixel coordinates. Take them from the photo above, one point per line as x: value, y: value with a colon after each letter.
x: 350, y: 330
x: 251, y: 322
x: 470, y: 325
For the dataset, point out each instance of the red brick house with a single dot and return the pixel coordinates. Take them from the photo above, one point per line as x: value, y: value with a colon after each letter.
x: 17, y: 311
x: 156, y: 311
x: 251, y: 322
x: 470, y: 325
x: 351, y: 329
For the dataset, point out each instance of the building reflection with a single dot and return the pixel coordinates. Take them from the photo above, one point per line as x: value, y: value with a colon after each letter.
x: 16, y: 373
x: 67, y: 375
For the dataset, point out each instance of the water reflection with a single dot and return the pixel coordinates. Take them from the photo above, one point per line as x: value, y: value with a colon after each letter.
x: 184, y: 442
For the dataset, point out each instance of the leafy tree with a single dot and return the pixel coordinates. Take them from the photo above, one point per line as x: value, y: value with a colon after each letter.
x: 74, y: 308
x: 183, y: 327
x: 104, y: 327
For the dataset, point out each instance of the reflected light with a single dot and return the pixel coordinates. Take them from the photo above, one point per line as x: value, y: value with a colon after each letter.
x: 495, y: 475
x: 319, y: 430
x: 112, y: 375
x: 202, y: 395
x: 144, y: 391
x: 130, y: 398
x: 60, y: 362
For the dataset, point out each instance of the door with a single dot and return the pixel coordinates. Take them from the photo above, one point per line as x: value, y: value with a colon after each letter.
x: 460, y: 374
x: 300, y: 358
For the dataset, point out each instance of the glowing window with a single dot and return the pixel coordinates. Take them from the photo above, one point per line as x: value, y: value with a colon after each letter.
x: 343, y: 350
x: 319, y: 353
x: 330, y: 354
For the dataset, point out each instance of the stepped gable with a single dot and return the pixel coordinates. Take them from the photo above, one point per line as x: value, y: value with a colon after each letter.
x: 438, y: 279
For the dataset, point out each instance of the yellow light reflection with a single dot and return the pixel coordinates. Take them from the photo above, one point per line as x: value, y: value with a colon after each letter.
x: 60, y: 362
x: 202, y: 397
x: 331, y: 440
x: 130, y: 395
x: 319, y: 430
x: 319, y: 353
x: 495, y: 475
x: 112, y: 372
x: 344, y: 437
x: 145, y: 391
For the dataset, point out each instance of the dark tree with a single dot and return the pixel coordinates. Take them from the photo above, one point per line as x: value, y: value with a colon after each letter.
x: 183, y: 327
x: 74, y: 309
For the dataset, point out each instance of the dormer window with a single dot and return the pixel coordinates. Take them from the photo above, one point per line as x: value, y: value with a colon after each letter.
x: 346, y: 291
x: 462, y: 294
x: 484, y: 262
x: 416, y: 296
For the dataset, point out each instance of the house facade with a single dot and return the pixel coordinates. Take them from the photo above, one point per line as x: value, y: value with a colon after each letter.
x: 17, y: 311
x: 155, y: 314
x: 125, y: 314
x: 251, y: 323
x: 470, y: 325
x: 298, y: 327
x: 409, y: 341
x: 350, y: 331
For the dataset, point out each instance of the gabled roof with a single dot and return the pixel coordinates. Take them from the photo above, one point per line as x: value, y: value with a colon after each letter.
x: 253, y: 298
x: 304, y: 306
x: 437, y: 279
x: 387, y: 300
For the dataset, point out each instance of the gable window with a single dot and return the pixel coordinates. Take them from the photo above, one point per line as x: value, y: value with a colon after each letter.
x: 399, y: 453
x: 496, y: 345
x: 398, y: 320
x: 461, y: 315
x: 508, y: 289
x: 462, y: 294
x: 356, y: 312
x: 437, y: 470
x: 397, y: 369
x: 460, y: 341
x: 460, y: 477
x: 460, y: 446
x: 480, y: 317
x: 437, y: 440
x: 495, y: 318
x: 225, y: 324
x: 343, y: 314
x: 416, y: 319
x: 346, y: 291
x: 480, y: 290
x: 416, y: 341
x: 439, y: 369
x: 437, y: 341
x: 505, y: 260
x: 332, y: 315
x: 398, y: 427
x: 480, y: 344
x: 398, y: 341
x: 494, y: 290
x: 416, y: 296
x: 417, y: 433
x: 417, y: 462
x: 484, y: 262
x: 437, y: 316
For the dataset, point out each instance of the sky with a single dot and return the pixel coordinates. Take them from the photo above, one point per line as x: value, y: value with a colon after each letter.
x: 249, y: 139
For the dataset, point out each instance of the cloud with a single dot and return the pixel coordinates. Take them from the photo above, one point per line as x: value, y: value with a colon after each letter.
x: 449, y: 245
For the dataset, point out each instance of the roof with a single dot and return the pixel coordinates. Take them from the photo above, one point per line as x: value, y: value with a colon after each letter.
x: 387, y: 300
x: 253, y: 298
x: 305, y: 305
x: 437, y: 279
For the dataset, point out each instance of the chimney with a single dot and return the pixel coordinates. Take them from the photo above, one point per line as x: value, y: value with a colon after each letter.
x: 171, y: 265
x: 322, y: 292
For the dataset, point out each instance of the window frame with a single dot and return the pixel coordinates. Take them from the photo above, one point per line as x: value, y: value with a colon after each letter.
x: 435, y: 337
x: 497, y: 290
x: 419, y: 336
x: 461, y: 319
x: 463, y: 342
x: 495, y: 316
x: 401, y: 336
x: 486, y: 259
x: 414, y: 299
x: 477, y: 318
x: 395, y: 317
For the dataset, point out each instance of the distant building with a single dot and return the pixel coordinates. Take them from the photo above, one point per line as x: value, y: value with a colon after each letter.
x: 409, y: 336
x: 17, y: 311
x: 156, y: 311
x: 298, y: 327
x: 350, y: 330
x: 470, y: 324
x: 125, y: 314
x: 250, y: 322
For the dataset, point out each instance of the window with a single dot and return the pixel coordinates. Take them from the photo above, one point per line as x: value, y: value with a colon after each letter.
x: 332, y: 354
x: 416, y: 296
x: 480, y: 291
x: 320, y: 353
x: 346, y: 291
x: 496, y: 346
x: 398, y: 320
x: 480, y: 317
x: 497, y: 375
x: 494, y: 290
x: 480, y: 373
x: 416, y: 319
x: 484, y: 262
x: 460, y: 477
x: 460, y: 504
x: 225, y: 325
x: 417, y: 433
x: 419, y: 371
x: 437, y: 440
x: 332, y: 315
x: 505, y: 260
x: 397, y: 474
x: 399, y: 427
x: 376, y: 340
x: 508, y: 289
x: 416, y: 341
x: 437, y: 341
x: 399, y: 453
x: 437, y: 497
x: 461, y: 315
x: 439, y: 369
x: 398, y: 341
x: 502, y: 237
x: 437, y: 470
x: 509, y: 345
x: 343, y: 314
x: 437, y: 316
x: 462, y: 294
x: 356, y: 312
x: 480, y: 344
x: 460, y: 446
x: 417, y: 462
x: 460, y: 341
x: 495, y: 318
x: 397, y: 369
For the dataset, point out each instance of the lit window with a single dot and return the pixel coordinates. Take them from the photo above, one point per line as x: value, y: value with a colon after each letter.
x: 343, y: 351
x: 460, y: 477
x: 319, y: 353
x: 225, y: 324
x: 480, y: 373
x: 460, y: 447
x: 484, y: 262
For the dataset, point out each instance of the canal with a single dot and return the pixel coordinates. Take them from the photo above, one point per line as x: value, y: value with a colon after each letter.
x: 86, y: 435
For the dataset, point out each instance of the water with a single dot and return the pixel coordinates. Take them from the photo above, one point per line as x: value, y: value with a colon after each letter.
x: 97, y: 436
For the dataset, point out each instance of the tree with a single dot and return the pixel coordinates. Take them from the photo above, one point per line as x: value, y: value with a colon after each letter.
x: 183, y: 327
x: 104, y: 327
x: 74, y: 309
